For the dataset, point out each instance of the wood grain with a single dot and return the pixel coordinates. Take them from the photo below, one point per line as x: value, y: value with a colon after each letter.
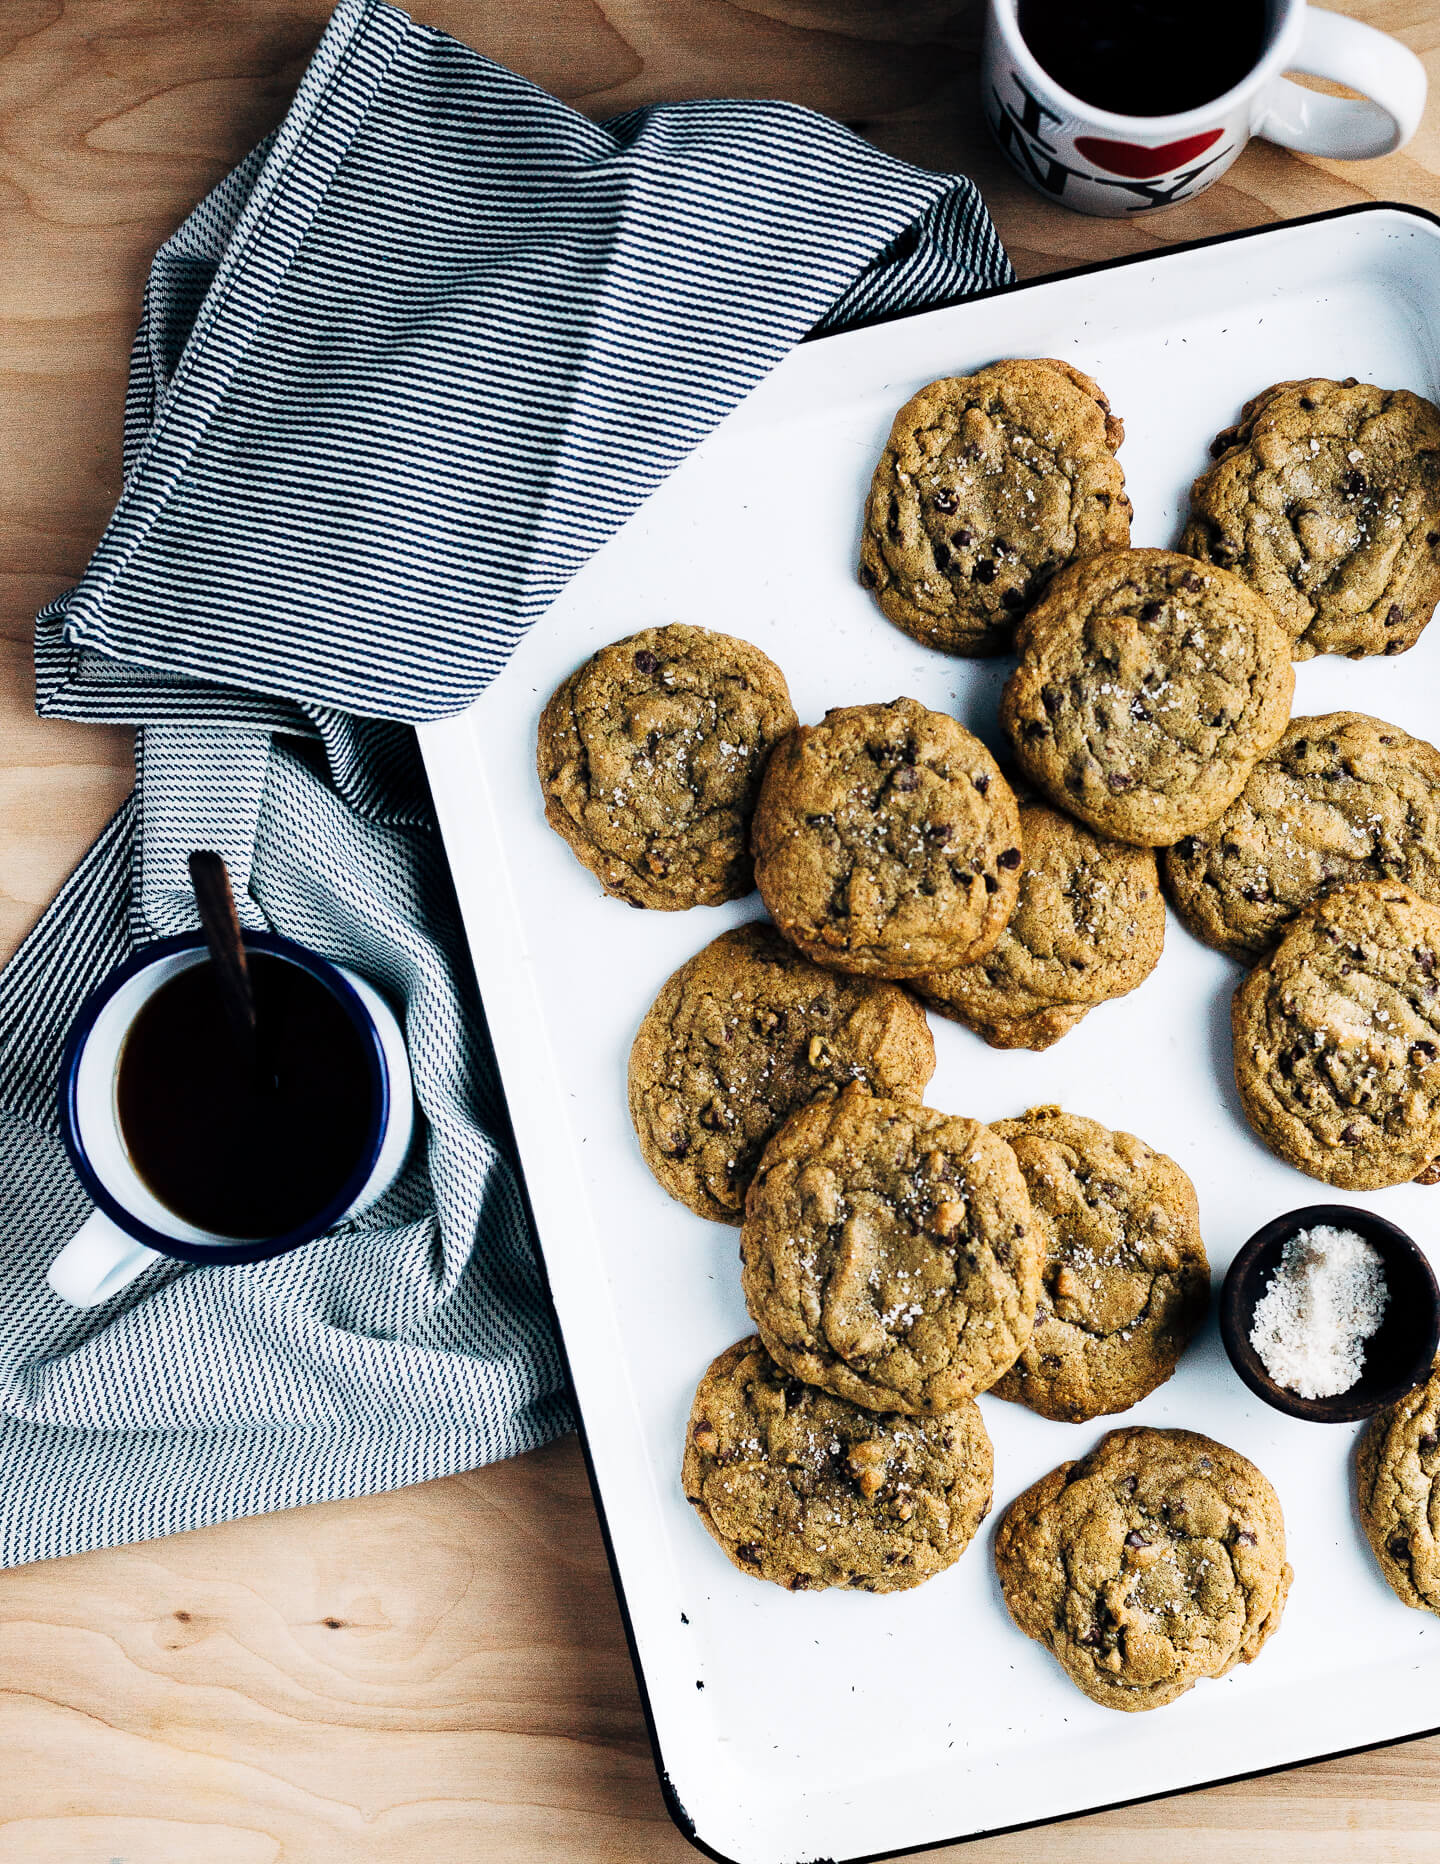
x: 438, y: 1674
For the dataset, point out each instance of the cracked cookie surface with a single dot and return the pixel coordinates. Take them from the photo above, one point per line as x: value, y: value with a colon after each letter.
x: 741, y: 1037
x: 803, y: 1489
x: 1148, y: 685
x: 1325, y: 497
x: 886, y: 841
x: 1088, y: 925
x: 1397, y: 1478
x: 1125, y: 1281
x: 988, y: 484
x: 1156, y: 1560
x: 1337, y: 1036
x: 889, y: 1254
x: 1341, y: 798
x: 650, y: 758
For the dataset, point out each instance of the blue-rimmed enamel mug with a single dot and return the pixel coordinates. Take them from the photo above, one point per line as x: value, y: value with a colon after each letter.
x: 130, y: 1226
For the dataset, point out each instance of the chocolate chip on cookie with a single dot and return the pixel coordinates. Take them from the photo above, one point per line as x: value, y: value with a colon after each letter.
x: 887, y: 842
x: 1325, y: 498
x: 1337, y: 1038
x: 650, y: 757
x: 888, y: 1253
x: 1148, y: 686
x: 1397, y: 1475
x: 988, y: 484
x: 1156, y: 1560
x: 742, y: 1036
x: 1342, y: 797
x: 1089, y: 925
x: 1125, y: 1281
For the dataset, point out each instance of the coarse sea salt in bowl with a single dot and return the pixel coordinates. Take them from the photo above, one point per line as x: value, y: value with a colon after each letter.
x: 1322, y: 1278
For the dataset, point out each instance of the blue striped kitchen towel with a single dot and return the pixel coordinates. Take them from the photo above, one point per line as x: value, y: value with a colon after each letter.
x: 395, y: 380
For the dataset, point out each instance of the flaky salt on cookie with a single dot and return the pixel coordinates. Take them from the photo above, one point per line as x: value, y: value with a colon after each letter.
x: 1124, y: 1282
x: 989, y: 484
x: 743, y: 1035
x: 1337, y: 1039
x: 1325, y: 498
x: 887, y: 842
x: 1153, y: 1562
x: 1148, y: 686
x: 1088, y: 926
x: 806, y: 1490
x: 889, y: 1253
x: 1342, y: 797
x: 650, y: 757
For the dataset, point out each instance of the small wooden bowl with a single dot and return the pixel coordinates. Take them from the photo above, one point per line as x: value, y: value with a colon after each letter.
x: 1397, y: 1358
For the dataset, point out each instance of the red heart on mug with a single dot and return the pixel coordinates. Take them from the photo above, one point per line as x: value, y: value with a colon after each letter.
x: 1140, y: 163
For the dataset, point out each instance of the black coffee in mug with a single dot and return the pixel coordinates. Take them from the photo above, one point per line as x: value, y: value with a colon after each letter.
x: 1145, y: 57
x: 239, y: 1153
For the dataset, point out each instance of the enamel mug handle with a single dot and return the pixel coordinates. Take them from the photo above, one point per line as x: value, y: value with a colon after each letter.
x: 1353, y: 129
x: 98, y: 1261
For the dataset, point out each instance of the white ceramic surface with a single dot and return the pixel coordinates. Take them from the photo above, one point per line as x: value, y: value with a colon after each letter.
x: 1100, y: 162
x: 101, y: 1257
x: 838, y: 1725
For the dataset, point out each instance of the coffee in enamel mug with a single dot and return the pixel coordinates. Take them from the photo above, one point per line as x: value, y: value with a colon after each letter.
x: 229, y: 1154
x: 1119, y: 107
x: 185, y: 1152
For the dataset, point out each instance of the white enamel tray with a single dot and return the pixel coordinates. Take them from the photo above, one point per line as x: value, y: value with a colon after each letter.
x: 840, y: 1725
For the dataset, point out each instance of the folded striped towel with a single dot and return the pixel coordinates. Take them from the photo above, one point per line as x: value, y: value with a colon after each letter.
x: 395, y: 380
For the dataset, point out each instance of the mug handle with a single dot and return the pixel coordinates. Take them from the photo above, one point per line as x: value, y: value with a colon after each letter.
x: 1352, y: 129
x: 99, y: 1260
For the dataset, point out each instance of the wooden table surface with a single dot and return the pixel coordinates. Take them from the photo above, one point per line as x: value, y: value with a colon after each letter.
x: 440, y: 1673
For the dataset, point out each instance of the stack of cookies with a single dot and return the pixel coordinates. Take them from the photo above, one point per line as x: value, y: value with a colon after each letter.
x: 897, y: 1261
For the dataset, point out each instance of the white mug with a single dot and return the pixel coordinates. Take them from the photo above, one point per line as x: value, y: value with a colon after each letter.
x: 1100, y: 162
x: 130, y: 1227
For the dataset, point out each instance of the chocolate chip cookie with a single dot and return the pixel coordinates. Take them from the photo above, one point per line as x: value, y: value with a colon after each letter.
x: 888, y: 1253
x: 988, y: 484
x: 741, y: 1037
x: 1088, y: 925
x: 887, y: 842
x: 1325, y: 497
x: 808, y: 1491
x: 650, y: 758
x: 1340, y: 798
x: 1125, y: 1282
x: 1148, y: 685
x: 1397, y: 1478
x: 1337, y: 1034
x: 1156, y: 1560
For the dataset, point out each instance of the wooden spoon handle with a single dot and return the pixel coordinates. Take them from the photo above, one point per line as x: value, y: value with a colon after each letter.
x: 221, y: 923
